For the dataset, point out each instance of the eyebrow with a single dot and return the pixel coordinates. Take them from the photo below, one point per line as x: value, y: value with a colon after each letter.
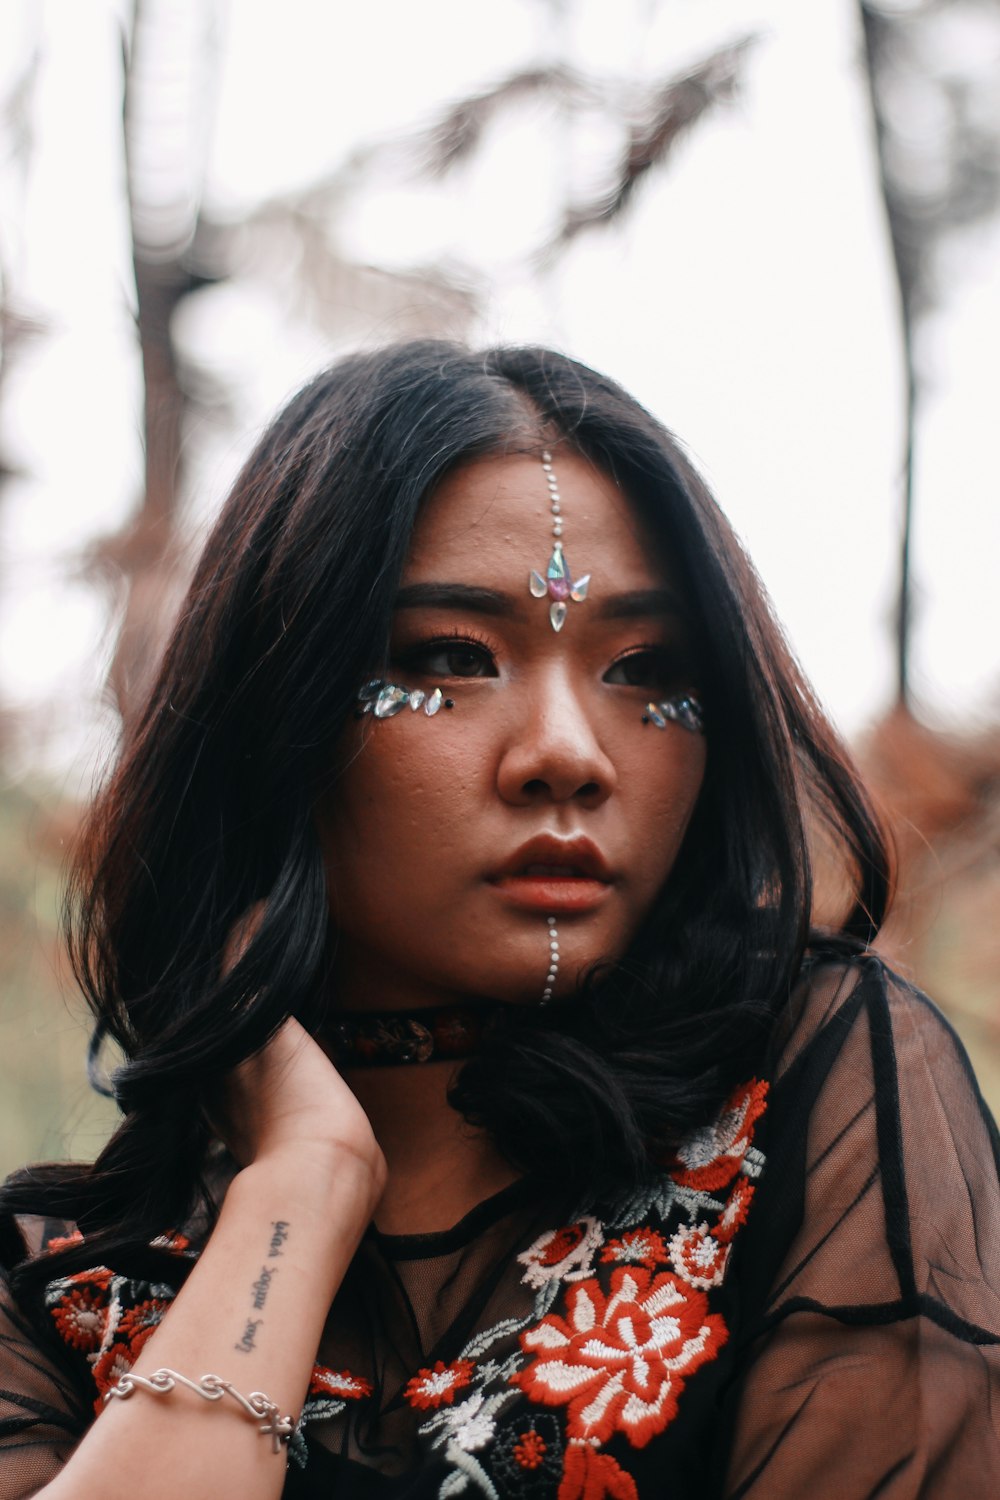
x: 463, y: 596
x: 634, y: 604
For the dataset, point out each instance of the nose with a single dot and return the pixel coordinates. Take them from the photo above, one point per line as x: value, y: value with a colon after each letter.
x: 553, y: 753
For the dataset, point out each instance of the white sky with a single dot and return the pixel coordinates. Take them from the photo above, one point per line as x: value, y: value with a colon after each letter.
x: 748, y: 301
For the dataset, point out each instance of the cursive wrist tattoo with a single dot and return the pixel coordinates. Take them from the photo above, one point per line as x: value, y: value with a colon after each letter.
x: 262, y: 1285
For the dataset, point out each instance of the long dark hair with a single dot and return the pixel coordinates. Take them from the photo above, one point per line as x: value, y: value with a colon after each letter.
x: 209, y: 811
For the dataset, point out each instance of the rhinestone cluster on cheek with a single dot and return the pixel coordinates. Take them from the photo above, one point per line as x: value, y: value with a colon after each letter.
x: 558, y: 584
x: 384, y: 700
x: 684, y: 709
x: 550, y: 977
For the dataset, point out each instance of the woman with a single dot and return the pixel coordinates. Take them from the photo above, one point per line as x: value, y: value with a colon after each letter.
x: 495, y: 1106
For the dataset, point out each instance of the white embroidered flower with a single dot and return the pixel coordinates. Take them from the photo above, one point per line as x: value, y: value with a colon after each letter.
x: 698, y: 1257
x: 562, y: 1254
x: 709, y: 1158
x: 469, y: 1425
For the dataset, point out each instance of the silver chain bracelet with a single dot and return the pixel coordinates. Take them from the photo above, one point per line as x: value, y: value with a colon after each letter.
x: 211, y: 1388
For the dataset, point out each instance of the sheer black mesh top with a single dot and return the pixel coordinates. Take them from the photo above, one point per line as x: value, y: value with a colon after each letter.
x: 805, y: 1302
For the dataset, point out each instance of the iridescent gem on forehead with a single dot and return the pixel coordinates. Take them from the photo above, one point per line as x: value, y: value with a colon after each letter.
x: 558, y: 583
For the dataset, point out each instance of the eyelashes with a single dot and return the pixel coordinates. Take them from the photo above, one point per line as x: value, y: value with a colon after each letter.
x: 652, y: 664
x: 467, y: 656
x: 462, y: 654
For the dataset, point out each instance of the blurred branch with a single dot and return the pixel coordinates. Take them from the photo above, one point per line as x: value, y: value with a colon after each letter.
x: 457, y: 135
x: 664, y: 115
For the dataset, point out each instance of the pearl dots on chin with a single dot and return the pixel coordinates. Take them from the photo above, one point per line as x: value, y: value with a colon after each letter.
x: 550, y: 977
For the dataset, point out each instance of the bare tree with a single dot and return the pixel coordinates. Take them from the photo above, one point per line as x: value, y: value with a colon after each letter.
x: 169, y: 59
x: 936, y: 115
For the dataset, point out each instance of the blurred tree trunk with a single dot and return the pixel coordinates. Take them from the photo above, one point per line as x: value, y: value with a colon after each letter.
x: 17, y: 328
x: 876, y: 30
x: 168, y: 65
x: 935, y: 107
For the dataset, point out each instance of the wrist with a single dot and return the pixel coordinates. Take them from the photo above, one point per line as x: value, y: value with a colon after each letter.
x: 313, y: 1172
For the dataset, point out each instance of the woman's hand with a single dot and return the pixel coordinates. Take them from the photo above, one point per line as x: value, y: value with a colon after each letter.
x: 290, y: 1100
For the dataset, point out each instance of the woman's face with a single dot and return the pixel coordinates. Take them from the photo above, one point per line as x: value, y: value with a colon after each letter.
x: 451, y: 840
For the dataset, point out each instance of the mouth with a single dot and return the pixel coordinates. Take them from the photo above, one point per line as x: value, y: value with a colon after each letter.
x: 555, y: 875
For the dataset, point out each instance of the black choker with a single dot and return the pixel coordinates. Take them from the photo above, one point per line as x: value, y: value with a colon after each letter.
x: 378, y: 1039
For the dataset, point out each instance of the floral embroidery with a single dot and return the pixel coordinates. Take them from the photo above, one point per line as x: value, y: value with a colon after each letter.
x: 109, y: 1367
x: 734, y: 1215
x: 619, y: 1362
x: 529, y: 1450
x: 698, y: 1257
x: 140, y: 1321
x: 527, y: 1459
x: 340, y: 1384
x: 81, y: 1317
x: 178, y: 1243
x: 469, y: 1425
x: 638, y: 1247
x: 328, y: 1395
x: 710, y: 1158
x: 591, y: 1475
x: 63, y: 1241
x: 619, y: 1322
x: 431, y: 1388
x: 561, y: 1254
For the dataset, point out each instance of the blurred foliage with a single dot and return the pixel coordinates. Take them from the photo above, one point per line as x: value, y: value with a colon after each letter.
x: 47, y: 1108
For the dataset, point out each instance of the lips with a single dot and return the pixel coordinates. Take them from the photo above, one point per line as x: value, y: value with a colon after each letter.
x: 551, y: 858
x: 555, y: 875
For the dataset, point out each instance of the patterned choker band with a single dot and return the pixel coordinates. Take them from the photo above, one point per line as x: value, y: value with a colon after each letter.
x: 389, y: 1038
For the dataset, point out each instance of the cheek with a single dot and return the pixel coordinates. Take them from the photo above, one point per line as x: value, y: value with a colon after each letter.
x: 398, y: 819
x: 665, y: 783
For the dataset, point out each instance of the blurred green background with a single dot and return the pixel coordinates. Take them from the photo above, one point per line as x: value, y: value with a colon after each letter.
x: 47, y: 1109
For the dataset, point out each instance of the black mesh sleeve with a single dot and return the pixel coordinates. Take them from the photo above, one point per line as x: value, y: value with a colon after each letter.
x: 871, y: 1365
x: 42, y: 1415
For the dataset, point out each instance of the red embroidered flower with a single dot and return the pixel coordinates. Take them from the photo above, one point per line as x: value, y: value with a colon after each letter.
x: 338, y: 1383
x: 710, y: 1158
x: 589, y: 1475
x: 530, y: 1449
x: 698, y: 1257
x: 637, y: 1247
x: 620, y: 1362
x: 171, y: 1241
x: 97, y: 1276
x: 438, y: 1386
x: 561, y: 1254
x: 116, y: 1361
x: 734, y: 1214
x: 81, y: 1317
x: 140, y: 1322
x: 63, y: 1241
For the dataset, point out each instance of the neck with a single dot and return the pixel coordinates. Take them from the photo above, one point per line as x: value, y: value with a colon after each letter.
x: 439, y: 1166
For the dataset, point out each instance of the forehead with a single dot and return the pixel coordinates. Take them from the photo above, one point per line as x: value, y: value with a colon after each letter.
x: 490, y: 520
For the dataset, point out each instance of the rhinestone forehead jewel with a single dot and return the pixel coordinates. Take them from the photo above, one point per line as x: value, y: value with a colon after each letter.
x: 557, y: 584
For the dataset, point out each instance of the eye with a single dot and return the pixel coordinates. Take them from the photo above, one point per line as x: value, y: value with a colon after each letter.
x: 451, y: 658
x: 655, y: 667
